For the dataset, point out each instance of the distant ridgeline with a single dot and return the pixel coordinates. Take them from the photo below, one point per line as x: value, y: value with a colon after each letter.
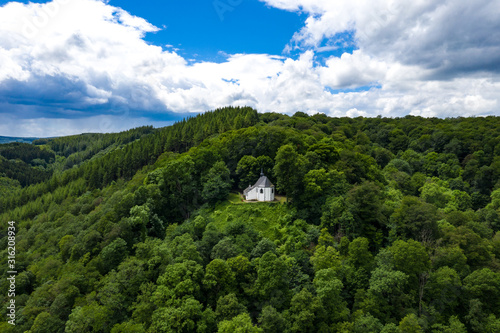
x: 389, y: 225
x: 8, y: 139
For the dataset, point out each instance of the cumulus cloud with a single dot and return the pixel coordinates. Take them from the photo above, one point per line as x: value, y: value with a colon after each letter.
x: 83, y: 65
x: 450, y: 37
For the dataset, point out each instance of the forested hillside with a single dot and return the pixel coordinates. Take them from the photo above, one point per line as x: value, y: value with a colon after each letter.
x: 389, y: 225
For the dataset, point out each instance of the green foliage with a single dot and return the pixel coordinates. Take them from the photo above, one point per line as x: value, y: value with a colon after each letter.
x: 180, y: 279
x: 262, y: 217
x: 325, y: 257
x: 484, y: 285
x: 185, y: 316
x: 133, y: 232
x: 271, y: 285
x: 271, y: 321
x: 218, y: 183
x: 328, y: 289
x: 367, y: 324
x: 264, y: 246
x: 359, y: 254
x: 326, y: 150
x: 415, y: 219
x: 89, y: 318
x: 409, y: 324
x: 22, y: 172
x: 128, y: 327
x: 25, y: 152
x: 239, y: 324
x: 303, y: 313
x: 249, y: 169
x: 45, y: 322
x: 219, y: 279
x: 289, y: 170
x: 178, y: 188
x: 113, y: 254
x: 455, y: 326
x: 8, y: 185
x: 358, y: 167
x: 365, y: 206
x: 443, y: 289
x: 410, y: 257
x: 228, y: 307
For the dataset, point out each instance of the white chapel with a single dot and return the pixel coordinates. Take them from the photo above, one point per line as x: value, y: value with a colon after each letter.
x: 263, y: 190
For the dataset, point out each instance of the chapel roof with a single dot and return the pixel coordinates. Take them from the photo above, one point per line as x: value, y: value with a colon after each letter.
x: 262, y: 182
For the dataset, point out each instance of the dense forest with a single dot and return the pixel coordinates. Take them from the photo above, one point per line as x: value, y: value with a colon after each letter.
x: 382, y: 225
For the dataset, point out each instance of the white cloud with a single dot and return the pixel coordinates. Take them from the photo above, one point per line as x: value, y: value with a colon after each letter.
x: 352, y: 70
x: 450, y: 36
x: 79, y: 59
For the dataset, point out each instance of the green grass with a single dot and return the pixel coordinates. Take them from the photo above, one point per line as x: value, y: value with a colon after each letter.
x: 263, y: 216
x: 235, y: 199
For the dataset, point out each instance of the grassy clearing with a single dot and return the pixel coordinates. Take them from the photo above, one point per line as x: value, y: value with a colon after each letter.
x: 263, y: 216
x: 235, y: 199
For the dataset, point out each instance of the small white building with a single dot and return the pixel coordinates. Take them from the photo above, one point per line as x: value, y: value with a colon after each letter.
x: 263, y: 190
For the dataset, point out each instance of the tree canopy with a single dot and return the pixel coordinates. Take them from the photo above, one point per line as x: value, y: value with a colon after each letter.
x: 391, y: 225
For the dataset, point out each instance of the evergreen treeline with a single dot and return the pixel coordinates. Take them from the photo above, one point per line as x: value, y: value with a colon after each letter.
x: 79, y: 148
x: 386, y: 225
x: 18, y: 159
x: 26, y: 152
x: 124, y: 163
x: 22, y: 172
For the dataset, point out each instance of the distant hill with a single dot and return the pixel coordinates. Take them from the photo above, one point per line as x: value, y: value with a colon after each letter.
x: 8, y: 139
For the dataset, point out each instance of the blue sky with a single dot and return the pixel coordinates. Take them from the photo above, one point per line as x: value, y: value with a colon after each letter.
x: 205, y: 29
x: 201, y: 30
x: 72, y: 66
